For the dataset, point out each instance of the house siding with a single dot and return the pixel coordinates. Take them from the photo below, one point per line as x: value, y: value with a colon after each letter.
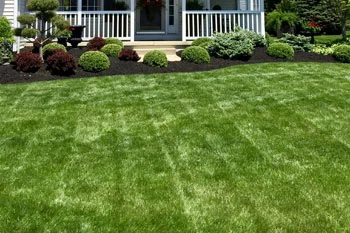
x: 8, y: 10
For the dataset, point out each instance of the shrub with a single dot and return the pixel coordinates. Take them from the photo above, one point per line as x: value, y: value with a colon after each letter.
x: 61, y: 63
x: 111, y: 50
x: 299, y: 42
x: 27, y: 62
x: 155, y: 58
x: 342, y: 53
x: 96, y: 43
x: 115, y: 41
x: 128, y: 55
x: 94, y: 61
x: 258, y: 40
x: 195, y: 54
x: 280, y: 50
x: 5, y: 30
x: 202, y: 42
x: 37, y: 45
x: 323, y: 49
x: 231, y: 45
x: 48, y: 49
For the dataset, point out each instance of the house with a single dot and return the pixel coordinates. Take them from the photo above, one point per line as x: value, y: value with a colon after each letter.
x: 134, y: 20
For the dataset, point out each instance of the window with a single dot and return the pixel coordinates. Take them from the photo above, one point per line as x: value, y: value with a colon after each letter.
x: 91, y: 5
x: 68, y: 5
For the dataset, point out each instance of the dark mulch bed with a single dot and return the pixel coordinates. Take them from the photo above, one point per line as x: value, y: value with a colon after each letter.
x: 9, y: 75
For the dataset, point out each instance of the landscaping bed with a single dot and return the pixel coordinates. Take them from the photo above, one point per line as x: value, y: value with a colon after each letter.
x: 10, y: 75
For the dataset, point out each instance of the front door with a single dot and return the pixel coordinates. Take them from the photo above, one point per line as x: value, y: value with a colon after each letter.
x: 157, y: 17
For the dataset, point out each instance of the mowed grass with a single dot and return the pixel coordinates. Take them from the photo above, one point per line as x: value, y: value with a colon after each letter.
x: 253, y: 148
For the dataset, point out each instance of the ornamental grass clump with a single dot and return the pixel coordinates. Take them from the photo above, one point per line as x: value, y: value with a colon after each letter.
x: 342, y: 53
x: 111, y: 50
x: 280, y: 50
x: 155, y: 58
x: 61, y: 63
x: 114, y: 41
x: 195, y: 54
x: 48, y: 49
x: 27, y: 62
x: 94, y: 61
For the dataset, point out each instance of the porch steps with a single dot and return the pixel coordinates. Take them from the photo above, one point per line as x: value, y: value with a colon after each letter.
x: 168, y: 47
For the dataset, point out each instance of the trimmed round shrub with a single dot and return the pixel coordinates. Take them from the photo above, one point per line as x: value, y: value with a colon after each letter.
x: 61, y: 63
x: 155, y: 58
x: 49, y: 48
x: 280, y: 50
x: 128, y: 55
x: 94, y: 61
x: 115, y: 41
x: 195, y: 54
x: 27, y: 62
x: 96, y: 43
x: 111, y: 50
x: 202, y: 42
x: 342, y: 53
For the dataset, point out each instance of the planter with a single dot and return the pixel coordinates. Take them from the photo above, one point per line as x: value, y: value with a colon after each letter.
x: 62, y: 41
x: 77, y: 33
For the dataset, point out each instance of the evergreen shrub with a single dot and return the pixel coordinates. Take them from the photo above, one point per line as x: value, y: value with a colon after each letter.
x: 195, y: 54
x: 111, y: 50
x: 342, y: 53
x: 114, y: 41
x: 280, y: 50
x: 48, y: 49
x: 94, y: 61
x: 155, y: 58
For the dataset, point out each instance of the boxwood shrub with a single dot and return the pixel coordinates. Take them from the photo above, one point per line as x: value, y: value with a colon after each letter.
x: 195, y: 54
x: 114, y: 41
x: 94, y: 61
x: 111, y: 50
x: 155, y: 58
x: 280, y: 50
x: 27, y: 62
x: 47, y: 49
x: 342, y: 53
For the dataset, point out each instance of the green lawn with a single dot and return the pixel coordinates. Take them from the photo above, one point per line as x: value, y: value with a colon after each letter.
x: 254, y: 148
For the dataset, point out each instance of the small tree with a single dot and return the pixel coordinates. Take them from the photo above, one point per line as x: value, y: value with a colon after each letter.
x: 45, y: 13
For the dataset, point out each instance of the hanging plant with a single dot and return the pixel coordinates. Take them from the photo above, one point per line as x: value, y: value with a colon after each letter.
x: 151, y: 7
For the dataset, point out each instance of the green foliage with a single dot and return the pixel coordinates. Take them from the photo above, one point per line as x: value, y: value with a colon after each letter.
x: 52, y: 46
x: 195, y: 54
x: 278, y: 22
x: 342, y: 53
x: 6, y: 54
x: 26, y: 19
x: 323, y: 49
x: 29, y: 32
x: 42, y: 5
x: 5, y: 29
x: 111, y: 50
x: 258, y: 40
x: 115, y: 41
x: 299, y: 42
x: 202, y: 42
x: 231, y: 45
x: 94, y: 61
x: 280, y: 50
x: 155, y: 58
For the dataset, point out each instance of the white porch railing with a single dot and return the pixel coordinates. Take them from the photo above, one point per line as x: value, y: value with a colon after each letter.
x: 205, y: 23
x: 101, y: 23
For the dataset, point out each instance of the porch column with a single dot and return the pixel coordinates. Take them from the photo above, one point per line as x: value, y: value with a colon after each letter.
x: 15, y: 25
x: 262, y: 18
x: 80, y: 8
x: 183, y: 20
x: 132, y: 20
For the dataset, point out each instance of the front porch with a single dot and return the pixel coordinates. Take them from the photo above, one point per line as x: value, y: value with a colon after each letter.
x: 175, y: 21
